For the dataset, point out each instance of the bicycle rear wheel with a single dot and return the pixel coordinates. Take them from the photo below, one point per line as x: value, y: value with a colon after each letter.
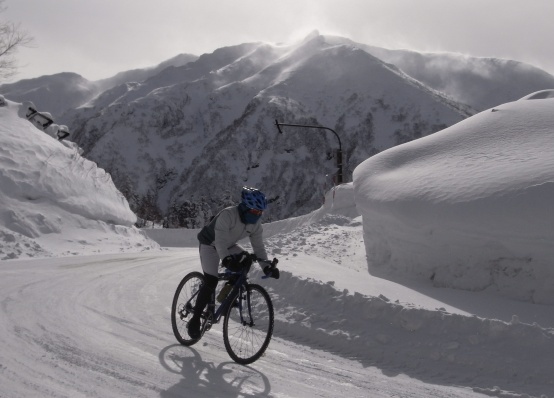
x: 181, y: 309
x: 248, y: 327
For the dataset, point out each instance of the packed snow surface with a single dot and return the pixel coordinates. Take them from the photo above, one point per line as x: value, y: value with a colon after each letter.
x: 469, y: 207
x: 76, y: 325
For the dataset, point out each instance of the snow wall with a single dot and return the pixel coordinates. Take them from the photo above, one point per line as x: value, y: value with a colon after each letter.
x: 470, y: 207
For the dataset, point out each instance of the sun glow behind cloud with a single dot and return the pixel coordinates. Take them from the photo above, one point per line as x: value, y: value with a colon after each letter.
x: 143, y: 33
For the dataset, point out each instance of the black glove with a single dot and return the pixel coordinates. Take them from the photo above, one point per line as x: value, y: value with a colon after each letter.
x: 271, y: 272
x: 229, y: 261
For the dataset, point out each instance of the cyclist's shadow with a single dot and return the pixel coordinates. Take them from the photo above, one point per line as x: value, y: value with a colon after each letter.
x: 202, y: 378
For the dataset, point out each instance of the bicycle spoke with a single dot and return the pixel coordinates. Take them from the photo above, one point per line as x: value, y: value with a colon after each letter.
x: 247, y: 337
x: 183, y: 302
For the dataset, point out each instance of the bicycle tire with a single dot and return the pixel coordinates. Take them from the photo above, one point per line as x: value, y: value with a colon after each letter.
x: 179, y: 316
x: 246, y: 342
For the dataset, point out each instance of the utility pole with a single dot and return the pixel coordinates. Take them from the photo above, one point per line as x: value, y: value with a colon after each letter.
x: 338, y: 153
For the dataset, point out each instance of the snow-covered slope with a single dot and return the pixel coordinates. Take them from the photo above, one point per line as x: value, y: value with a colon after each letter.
x: 53, y: 201
x: 469, y: 207
x: 478, y: 82
x: 482, y: 83
x: 139, y: 75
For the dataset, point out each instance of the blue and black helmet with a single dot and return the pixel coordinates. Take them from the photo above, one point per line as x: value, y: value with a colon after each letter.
x: 253, y: 198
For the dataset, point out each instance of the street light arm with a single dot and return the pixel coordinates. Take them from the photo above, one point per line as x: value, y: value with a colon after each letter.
x: 304, y: 125
x: 339, y: 154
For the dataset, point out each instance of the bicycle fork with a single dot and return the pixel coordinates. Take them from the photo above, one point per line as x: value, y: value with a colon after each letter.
x: 250, y: 323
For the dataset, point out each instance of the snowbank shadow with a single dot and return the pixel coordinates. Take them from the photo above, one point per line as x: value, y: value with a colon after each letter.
x: 483, y: 304
x: 431, y: 345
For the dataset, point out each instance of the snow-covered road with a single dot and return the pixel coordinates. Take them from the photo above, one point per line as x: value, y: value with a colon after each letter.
x: 99, y: 326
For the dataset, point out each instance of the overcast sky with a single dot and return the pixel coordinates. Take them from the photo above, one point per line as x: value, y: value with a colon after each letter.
x: 99, y: 38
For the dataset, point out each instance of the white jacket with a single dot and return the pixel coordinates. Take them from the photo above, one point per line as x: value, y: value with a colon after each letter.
x: 227, y: 229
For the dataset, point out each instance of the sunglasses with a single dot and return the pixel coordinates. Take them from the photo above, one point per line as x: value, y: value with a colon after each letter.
x: 256, y: 212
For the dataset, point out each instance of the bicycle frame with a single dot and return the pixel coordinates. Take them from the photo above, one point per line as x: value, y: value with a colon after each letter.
x: 239, y: 286
x: 213, y: 316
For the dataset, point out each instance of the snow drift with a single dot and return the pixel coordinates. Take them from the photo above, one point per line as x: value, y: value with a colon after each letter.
x: 52, y: 200
x: 469, y: 207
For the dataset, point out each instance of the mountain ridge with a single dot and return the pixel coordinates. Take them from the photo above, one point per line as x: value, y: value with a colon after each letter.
x: 60, y: 92
x: 226, y: 114
x: 179, y: 143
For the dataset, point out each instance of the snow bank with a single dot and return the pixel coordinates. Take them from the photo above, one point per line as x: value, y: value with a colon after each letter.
x: 339, y: 203
x: 469, y: 207
x: 173, y: 237
x: 378, y: 323
x: 382, y: 323
x: 52, y: 200
x: 378, y: 331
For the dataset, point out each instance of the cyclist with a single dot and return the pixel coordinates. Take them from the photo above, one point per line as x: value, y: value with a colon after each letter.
x: 218, y: 240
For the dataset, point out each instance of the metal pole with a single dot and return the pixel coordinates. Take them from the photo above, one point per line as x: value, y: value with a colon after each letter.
x: 339, y: 151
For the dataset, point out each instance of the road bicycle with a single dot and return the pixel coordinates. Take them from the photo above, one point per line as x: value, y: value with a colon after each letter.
x: 247, y: 311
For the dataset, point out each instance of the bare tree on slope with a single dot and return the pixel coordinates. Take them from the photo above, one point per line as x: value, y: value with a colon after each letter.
x: 11, y: 38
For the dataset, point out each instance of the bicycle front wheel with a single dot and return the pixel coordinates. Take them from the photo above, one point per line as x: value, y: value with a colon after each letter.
x: 248, y: 325
x: 183, y: 304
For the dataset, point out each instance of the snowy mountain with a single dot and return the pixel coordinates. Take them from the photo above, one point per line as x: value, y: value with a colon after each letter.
x: 481, y: 83
x: 159, y: 137
x: 54, y: 94
x: 139, y: 75
x: 58, y: 93
x: 156, y: 131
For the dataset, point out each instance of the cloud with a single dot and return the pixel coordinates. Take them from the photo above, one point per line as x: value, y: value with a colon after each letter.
x: 100, y: 38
